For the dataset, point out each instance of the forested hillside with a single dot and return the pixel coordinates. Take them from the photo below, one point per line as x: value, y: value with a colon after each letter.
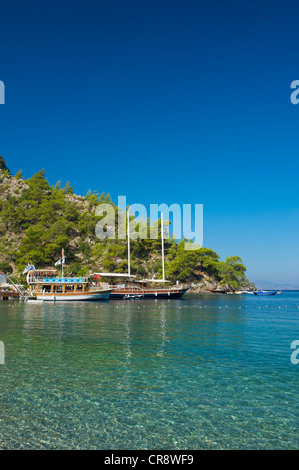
x: 38, y: 220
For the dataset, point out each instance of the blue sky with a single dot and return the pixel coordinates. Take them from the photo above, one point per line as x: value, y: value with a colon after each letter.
x: 164, y: 102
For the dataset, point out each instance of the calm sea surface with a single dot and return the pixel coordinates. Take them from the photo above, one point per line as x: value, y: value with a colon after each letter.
x: 206, y: 372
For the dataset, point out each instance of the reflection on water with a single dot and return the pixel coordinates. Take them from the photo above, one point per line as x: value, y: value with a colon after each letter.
x: 206, y: 372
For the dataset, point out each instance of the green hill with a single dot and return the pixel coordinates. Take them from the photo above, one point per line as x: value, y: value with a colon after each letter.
x: 38, y: 220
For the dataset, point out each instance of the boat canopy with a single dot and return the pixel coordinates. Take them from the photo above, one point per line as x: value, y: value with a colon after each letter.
x: 64, y: 280
x: 153, y: 280
x: 113, y: 274
x: 43, y: 270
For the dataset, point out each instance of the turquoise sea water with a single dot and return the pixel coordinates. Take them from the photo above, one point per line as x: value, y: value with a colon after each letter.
x: 205, y: 372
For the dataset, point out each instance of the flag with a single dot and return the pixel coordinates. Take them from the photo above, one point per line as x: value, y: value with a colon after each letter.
x: 28, y: 268
x: 62, y: 258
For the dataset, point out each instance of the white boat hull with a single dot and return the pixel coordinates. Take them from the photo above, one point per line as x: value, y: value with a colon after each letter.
x: 57, y: 297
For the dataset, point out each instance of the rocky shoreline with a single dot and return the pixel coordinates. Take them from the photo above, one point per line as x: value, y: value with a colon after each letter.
x: 203, y: 287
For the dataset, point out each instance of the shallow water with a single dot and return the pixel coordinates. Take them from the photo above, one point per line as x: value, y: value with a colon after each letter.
x: 205, y: 372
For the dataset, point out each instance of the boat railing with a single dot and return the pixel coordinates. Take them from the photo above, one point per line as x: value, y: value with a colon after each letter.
x: 170, y: 288
x: 135, y: 290
x: 57, y: 280
x: 138, y: 290
x: 129, y: 289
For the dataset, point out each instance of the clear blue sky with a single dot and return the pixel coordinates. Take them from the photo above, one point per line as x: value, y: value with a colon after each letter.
x: 164, y: 101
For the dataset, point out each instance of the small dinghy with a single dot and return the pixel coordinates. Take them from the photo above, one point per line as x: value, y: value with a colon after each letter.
x: 133, y: 296
x: 265, y: 292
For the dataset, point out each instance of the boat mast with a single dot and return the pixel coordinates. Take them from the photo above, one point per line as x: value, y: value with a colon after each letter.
x: 162, y: 240
x: 129, y: 260
x: 62, y: 261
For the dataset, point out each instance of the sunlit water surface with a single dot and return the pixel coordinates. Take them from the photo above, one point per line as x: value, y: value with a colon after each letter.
x: 206, y: 372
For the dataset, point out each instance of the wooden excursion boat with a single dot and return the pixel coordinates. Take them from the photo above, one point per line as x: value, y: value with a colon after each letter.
x: 141, y: 289
x: 46, y: 285
x: 154, y: 291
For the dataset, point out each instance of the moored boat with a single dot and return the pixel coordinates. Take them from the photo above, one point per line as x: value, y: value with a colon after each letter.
x: 133, y: 296
x: 132, y: 288
x: 219, y: 291
x: 151, y: 289
x: 243, y: 292
x: 47, y: 286
x: 145, y: 288
x: 265, y: 292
